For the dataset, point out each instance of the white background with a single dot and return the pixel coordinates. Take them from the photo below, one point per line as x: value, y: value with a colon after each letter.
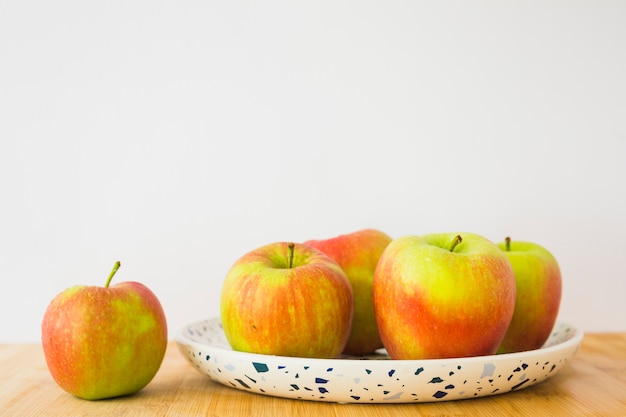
x: 175, y: 136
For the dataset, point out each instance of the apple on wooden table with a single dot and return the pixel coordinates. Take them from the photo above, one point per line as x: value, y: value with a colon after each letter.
x: 357, y: 253
x: 443, y: 295
x: 103, y: 342
x: 287, y: 299
x: 538, y: 299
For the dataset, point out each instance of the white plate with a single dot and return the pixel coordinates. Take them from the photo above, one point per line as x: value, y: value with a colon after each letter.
x: 375, y: 379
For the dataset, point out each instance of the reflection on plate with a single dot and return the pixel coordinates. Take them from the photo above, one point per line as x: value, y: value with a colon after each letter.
x: 375, y: 379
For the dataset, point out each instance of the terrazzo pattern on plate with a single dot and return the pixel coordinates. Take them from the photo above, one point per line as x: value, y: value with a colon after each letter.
x: 376, y: 378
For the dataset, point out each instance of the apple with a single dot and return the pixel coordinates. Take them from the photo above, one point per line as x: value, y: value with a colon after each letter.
x: 103, y: 342
x: 443, y: 295
x: 538, y: 297
x: 357, y: 253
x: 287, y: 299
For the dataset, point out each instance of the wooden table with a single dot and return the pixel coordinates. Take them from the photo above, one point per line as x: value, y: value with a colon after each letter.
x: 593, y: 384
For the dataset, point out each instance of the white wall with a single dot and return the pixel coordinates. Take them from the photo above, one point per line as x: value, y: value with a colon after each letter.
x: 175, y: 136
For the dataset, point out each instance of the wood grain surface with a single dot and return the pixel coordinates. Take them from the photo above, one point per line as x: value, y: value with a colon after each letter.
x: 593, y: 384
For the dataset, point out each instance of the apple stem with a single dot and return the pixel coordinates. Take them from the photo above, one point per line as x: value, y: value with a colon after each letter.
x: 455, y: 242
x: 113, y: 271
x: 507, y: 243
x: 290, y: 256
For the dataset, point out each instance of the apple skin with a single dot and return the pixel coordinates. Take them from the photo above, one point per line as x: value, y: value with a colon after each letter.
x: 539, y: 287
x: 431, y: 302
x: 269, y: 308
x: 103, y: 342
x: 357, y: 253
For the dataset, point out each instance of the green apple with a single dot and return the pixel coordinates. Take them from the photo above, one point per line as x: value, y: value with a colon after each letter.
x: 103, y: 342
x: 443, y: 295
x: 357, y: 253
x: 289, y: 300
x: 539, y: 287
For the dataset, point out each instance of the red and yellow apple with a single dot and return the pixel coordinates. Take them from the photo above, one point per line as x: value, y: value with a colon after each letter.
x: 443, y: 295
x: 289, y: 300
x: 538, y: 299
x: 357, y: 253
x: 103, y: 342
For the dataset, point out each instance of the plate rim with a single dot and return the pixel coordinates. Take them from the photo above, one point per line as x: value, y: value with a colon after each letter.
x: 575, y: 339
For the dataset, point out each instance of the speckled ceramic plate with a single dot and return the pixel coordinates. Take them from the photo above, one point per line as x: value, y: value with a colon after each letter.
x: 375, y: 379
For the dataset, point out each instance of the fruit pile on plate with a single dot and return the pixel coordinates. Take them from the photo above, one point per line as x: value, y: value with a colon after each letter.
x: 433, y: 296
